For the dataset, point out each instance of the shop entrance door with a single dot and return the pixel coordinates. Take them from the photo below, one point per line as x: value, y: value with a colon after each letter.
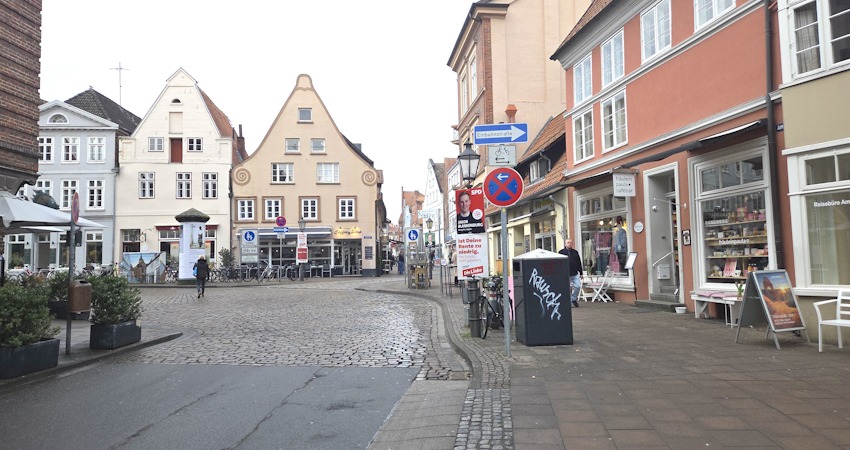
x: 351, y: 258
x: 663, y: 237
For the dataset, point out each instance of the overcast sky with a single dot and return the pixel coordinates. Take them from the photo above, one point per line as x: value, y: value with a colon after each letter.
x: 379, y: 66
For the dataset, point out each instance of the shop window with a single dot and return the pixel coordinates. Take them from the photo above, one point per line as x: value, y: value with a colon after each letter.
x: 734, y: 219
x: 603, y: 242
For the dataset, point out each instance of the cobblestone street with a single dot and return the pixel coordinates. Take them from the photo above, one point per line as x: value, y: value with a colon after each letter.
x: 328, y: 324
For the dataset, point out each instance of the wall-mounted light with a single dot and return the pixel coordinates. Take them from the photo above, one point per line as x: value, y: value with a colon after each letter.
x: 302, y: 224
x: 655, y: 207
x: 429, y: 223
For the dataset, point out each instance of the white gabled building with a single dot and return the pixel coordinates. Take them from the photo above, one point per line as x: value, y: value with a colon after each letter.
x: 178, y: 158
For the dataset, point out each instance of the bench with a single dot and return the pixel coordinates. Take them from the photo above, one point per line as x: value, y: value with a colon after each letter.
x: 727, y: 298
x: 842, y: 316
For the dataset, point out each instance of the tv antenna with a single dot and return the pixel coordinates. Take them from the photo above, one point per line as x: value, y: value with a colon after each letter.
x: 119, y: 69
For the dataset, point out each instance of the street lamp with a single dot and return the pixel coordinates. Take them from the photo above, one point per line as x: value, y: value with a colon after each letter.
x: 429, y: 223
x: 468, y: 164
x: 301, y: 225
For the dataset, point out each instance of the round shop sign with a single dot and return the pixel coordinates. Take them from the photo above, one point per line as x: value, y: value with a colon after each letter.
x: 638, y: 227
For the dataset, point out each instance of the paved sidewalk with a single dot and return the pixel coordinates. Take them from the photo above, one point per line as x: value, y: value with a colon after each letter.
x: 640, y: 378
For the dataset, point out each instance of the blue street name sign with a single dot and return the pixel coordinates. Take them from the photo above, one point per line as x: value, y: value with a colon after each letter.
x: 281, y: 229
x: 500, y: 133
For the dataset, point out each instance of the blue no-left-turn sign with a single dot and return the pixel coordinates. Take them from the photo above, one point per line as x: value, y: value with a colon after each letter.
x: 503, y: 186
x: 413, y: 235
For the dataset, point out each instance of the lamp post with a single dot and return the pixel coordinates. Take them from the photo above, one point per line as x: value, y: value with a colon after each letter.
x: 301, y: 225
x: 468, y: 170
x: 468, y: 164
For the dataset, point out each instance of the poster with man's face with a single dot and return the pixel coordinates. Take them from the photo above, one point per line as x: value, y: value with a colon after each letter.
x: 470, y: 210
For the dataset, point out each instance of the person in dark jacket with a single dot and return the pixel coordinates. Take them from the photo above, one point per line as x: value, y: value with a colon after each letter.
x: 575, y: 270
x: 202, y: 274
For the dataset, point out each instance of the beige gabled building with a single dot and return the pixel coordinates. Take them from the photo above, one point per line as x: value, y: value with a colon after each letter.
x: 305, y: 170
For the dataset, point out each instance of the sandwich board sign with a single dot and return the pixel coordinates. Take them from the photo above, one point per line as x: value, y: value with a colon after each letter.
x: 769, y: 298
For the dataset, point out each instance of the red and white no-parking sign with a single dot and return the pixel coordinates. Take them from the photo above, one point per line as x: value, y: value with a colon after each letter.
x: 503, y: 186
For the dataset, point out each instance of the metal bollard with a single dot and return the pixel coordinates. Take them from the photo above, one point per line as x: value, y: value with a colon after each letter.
x: 472, y: 294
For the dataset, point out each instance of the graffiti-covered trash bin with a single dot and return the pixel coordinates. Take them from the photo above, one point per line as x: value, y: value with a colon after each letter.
x: 542, y: 298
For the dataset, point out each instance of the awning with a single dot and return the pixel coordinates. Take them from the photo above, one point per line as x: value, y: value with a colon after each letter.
x: 16, y: 212
x: 693, y: 145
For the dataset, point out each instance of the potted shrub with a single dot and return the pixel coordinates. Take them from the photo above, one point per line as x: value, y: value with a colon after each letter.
x: 27, y: 342
x: 116, y: 305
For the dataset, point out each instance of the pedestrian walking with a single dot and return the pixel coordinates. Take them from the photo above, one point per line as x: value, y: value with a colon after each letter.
x: 575, y: 270
x: 202, y: 274
x: 401, y: 263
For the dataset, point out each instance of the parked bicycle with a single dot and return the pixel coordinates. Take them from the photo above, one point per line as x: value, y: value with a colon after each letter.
x: 490, y: 307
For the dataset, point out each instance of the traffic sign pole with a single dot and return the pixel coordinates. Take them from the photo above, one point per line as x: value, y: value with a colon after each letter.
x: 506, y: 318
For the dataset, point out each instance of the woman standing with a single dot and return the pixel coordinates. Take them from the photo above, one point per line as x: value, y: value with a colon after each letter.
x: 202, y: 273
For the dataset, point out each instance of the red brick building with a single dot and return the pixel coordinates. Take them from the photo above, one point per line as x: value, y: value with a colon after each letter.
x: 20, y: 54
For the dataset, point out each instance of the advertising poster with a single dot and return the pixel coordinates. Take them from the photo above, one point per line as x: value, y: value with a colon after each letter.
x: 778, y: 299
x: 470, y: 210
x: 143, y: 267
x: 472, y: 257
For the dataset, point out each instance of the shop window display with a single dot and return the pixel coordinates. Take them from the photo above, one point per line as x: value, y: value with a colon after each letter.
x: 736, y: 240
x: 604, y: 244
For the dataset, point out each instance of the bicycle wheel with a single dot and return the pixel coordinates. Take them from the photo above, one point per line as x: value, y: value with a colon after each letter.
x: 483, y: 308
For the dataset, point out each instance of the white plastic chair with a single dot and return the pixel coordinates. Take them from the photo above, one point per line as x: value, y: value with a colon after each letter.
x: 841, y: 320
x: 597, y: 290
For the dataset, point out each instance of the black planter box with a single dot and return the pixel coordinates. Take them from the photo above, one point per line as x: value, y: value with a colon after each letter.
x: 111, y: 336
x: 59, y: 310
x: 17, y: 361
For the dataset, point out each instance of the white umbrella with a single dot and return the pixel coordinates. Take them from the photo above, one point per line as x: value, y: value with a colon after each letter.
x: 16, y: 212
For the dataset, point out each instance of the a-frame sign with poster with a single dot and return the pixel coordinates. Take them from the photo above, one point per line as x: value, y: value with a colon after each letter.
x: 769, y: 298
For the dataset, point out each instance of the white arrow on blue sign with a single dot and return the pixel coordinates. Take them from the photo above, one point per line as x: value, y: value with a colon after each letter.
x: 500, y: 133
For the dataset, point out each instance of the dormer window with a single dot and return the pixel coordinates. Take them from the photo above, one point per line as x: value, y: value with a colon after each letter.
x: 539, y: 169
x: 305, y: 114
x: 176, y: 101
x: 58, y: 118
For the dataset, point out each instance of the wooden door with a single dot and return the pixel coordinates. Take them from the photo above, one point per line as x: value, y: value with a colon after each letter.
x: 176, y: 150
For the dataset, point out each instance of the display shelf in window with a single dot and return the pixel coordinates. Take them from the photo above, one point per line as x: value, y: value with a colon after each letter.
x: 735, y: 239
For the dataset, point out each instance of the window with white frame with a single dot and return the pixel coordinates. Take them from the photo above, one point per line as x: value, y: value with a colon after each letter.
x: 305, y: 114
x: 156, y: 144
x: 614, y: 121
x: 583, y: 135
x: 245, y: 209
x: 538, y: 169
x: 473, y: 77
x: 70, y: 149
x: 45, y: 149
x: 347, y: 209
x: 210, y: 186
x: 732, y: 198
x: 821, y: 208
x: 582, y: 82
x: 327, y: 173
x: 708, y: 10
x: 58, y: 118
x: 283, y: 172
x: 293, y: 145
x: 597, y: 217
x: 820, y: 35
x: 95, y: 194
x: 97, y: 150
x: 317, y: 145
x: 310, y: 208
x: 94, y: 247
x: 45, y: 186
x: 273, y: 208
x: 184, y: 185
x: 464, y: 93
x: 69, y: 188
x: 146, y: 184
x: 195, y: 144
x: 612, y: 59
x: 544, y: 234
x: 655, y: 29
